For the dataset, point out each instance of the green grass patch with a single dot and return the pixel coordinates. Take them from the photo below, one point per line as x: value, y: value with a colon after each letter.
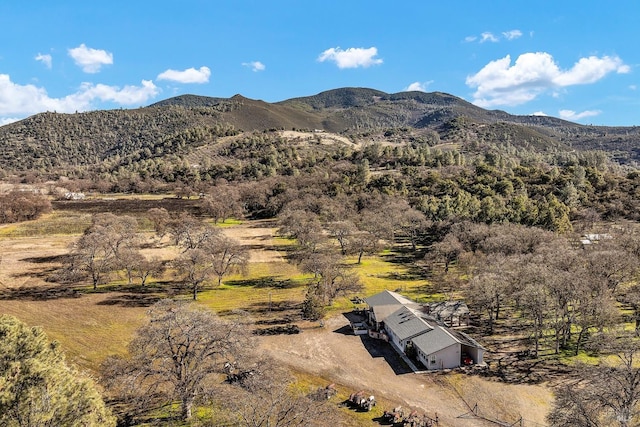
x: 229, y: 222
x: 378, y: 274
x: 56, y: 223
x: 263, y: 285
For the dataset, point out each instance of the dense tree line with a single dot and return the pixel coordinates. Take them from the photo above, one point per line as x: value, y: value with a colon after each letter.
x: 563, y: 289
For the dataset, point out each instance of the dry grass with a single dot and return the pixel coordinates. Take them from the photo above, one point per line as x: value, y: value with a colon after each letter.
x: 93, y: 325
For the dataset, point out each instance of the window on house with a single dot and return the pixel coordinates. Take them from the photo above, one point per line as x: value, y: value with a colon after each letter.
x: 433, y: 359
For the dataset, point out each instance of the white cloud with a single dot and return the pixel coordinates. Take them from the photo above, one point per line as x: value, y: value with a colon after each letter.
x: 591, y: 69
x: 573, y: 116
x: 46, y: 59
x: 488, y: 37
x: 633, y: 87
x: 128, y: 95
x: 90, y: 60
x: 540, y: 113
x: 353, y: 57
x: 24, y: 100
x: 512, y: 35
x: 190, y: 75
x: 418, y: 86
x: 7, y: 120
x: 501, y: 83
x: 255, y: 66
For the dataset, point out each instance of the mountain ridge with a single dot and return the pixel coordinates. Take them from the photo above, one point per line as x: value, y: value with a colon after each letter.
x: 178, y: 125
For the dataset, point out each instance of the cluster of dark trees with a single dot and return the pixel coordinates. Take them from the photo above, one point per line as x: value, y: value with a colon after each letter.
x: 484, y: 182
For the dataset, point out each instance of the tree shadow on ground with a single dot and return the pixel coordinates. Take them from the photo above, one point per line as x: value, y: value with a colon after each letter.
x: 265, y: 282
x: 411, y: 275
x: 132, y: 300
x: 59, y: 259
x: 266, y: 307
x: 40, y: 293
x: 379, y: 348
x: 265, y: 223
x: 43, y: 272
x: 520, y: 368
x: 137, y: 295
x: 404, y: 255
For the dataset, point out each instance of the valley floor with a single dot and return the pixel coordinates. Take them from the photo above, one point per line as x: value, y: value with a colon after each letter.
x: 92, y: 325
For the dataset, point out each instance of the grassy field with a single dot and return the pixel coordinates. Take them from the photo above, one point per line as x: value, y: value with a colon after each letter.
x: 90, y: 325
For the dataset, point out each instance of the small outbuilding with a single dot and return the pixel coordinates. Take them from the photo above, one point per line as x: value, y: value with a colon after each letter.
x: 451, y: 313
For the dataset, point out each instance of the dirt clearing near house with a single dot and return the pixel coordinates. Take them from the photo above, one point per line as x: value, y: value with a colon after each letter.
x: 356, y: 363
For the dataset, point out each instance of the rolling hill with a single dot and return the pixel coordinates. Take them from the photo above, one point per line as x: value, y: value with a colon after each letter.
x: 177, y: 126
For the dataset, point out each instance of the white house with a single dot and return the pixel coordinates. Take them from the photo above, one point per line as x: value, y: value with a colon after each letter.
x: 420, y: 336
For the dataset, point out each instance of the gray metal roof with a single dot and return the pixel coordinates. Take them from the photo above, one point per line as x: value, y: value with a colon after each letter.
x: 434, y: 340
x: 381, y: 312
x: 387, y: 298
x: 404, y: 318
x: 405, y: 323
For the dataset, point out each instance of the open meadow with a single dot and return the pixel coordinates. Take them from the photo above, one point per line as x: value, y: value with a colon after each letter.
x: 93, y: 324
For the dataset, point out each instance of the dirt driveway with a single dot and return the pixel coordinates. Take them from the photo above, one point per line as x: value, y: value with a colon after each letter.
x: 362, y: 363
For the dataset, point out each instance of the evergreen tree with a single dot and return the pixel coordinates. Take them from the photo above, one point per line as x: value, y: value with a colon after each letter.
x: 37, y: 387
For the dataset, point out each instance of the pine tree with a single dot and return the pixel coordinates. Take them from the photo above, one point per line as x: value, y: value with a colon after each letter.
x: 38, y: 388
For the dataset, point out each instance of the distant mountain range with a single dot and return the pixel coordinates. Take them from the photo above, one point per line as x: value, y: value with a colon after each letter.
x: 169, y: 127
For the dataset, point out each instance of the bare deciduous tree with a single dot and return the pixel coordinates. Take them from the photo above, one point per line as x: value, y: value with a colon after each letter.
x: 222, y: 202
x: 226, y: 256
x: 160, y: 219
x: 190, y: 232
x: 342, y: 231
x: 446, y: 251
x: 331, y: 276
x: 104, y: 246
x: 607, y: 394
x: 266, y: 399
x: 178, y: 355
x: 194, y: 268
x: 149, y: 267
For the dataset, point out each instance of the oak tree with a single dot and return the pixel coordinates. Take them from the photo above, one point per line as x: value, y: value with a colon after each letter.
x: 178, y: 355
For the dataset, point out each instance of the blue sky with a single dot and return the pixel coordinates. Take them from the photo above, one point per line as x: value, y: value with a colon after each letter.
x: 576, y: 60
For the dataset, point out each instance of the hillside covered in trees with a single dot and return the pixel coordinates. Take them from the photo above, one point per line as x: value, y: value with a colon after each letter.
x: 448, y: 158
